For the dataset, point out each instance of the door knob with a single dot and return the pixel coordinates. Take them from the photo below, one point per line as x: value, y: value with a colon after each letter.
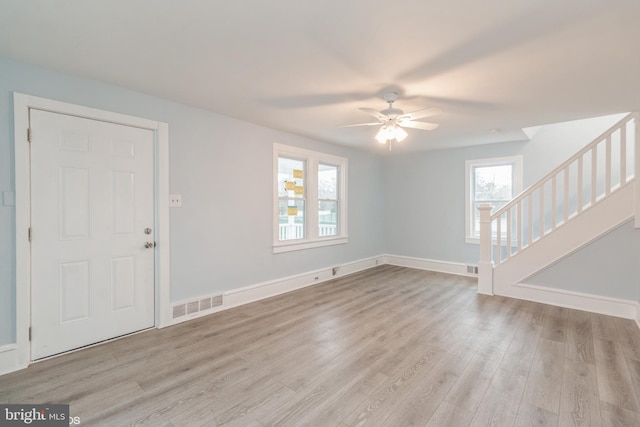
x: 149, y: 245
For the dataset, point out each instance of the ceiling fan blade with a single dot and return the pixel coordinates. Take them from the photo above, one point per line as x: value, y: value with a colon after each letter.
x: 362, y: 124
x: 420, y: 114
x: 375, y: 113
x: 419, y: 125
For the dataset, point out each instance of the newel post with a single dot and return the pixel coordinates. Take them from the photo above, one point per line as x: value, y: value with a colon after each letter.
x: 485, y: 266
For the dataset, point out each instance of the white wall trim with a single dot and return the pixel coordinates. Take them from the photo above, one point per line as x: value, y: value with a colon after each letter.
x: 616, y: 307
x: 271, y: 288
x: 19, y: 357
x: 457, y: 268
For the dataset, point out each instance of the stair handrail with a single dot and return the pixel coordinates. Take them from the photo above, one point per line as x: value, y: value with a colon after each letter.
x: 546, y: 217
x: 525, y: 193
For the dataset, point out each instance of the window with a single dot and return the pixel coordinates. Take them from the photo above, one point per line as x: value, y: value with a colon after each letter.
x: 309, y: 199
x: 495, y: 181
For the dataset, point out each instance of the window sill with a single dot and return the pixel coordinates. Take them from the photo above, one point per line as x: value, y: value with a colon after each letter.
x: 474, y: 240
x: 309, y: 244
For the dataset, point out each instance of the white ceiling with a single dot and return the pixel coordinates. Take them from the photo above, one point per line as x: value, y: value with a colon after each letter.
x: 306, y: 66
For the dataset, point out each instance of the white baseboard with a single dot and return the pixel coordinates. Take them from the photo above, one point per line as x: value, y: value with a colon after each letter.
x: 10, y: 359
x: 260, y: 291
x: 457, y: 268
x: 615, y: 307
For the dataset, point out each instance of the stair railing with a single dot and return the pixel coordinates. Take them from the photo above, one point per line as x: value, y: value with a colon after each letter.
x: 602, y: 167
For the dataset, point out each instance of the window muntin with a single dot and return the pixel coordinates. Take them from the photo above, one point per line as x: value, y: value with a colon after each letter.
x: 310, y: 199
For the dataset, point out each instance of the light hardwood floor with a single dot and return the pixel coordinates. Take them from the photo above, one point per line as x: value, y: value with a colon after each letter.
x: 389, y: 346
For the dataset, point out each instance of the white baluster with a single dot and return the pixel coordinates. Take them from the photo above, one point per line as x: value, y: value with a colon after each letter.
x: 623, y: 155
x: 594, y: 174
x: 498, y: 252
x: 530, y: 219
x: 566, y: 192
x: 554, y: 200
x: 636, y: 145
x: 541, y: 211
x: 580, y: 175
x: 508, y: 245
x: 519, y: 226
x: 607, y: 166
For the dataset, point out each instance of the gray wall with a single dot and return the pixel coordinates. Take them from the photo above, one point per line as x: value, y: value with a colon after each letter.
x: 221, y: 237
x: 608, y: 266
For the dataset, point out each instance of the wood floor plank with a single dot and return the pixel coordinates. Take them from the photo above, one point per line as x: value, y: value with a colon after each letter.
x: 450, y: 415
x: 614, y: 379
x: 530, y: 415
x: 554, y: 327
x: 603, y: 327
x: 580, y: 337
x: 542, y: 389
x: 629, y: 337
x: 470, y: 387
x: 499, y: 406
x: 634, y: 370
x: 615, y: 416
x: 519, y: 355
x: 579, y: 403
x: 390, y: 346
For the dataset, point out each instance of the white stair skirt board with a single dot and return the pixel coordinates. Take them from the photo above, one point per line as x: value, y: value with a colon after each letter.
x: 615, y: 307
x: 257, y: 292
x: 592, y: 223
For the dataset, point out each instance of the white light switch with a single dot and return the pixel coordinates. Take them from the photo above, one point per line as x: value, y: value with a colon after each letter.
x: 175, y: 200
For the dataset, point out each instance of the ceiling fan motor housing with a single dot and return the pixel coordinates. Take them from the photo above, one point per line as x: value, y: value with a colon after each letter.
x: 391, y: 97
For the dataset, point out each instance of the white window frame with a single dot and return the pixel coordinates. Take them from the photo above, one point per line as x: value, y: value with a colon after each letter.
x: 312, y: 159
x: 514, y: 161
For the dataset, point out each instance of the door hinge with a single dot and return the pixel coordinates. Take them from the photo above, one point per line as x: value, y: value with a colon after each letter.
x: 29, y: 333
x: 29, y: 134
x: 30, y: 234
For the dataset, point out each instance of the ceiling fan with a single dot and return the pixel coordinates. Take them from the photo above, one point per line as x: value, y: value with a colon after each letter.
x: 392, y: 120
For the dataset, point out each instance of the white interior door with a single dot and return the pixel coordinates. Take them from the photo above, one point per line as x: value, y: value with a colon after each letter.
x: 92, y: 276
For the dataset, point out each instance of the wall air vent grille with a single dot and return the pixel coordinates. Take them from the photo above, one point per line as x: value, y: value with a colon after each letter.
x: 179, y: 310
x: 197, y: 306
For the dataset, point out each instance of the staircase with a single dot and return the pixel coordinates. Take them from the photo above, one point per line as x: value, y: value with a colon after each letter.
x: 588, y: 195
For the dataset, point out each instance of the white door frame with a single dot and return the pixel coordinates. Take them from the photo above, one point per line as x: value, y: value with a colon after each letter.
x: 18, y: 355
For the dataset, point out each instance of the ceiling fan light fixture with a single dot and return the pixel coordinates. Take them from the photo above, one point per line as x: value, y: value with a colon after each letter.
x: 390, y: 132
x: 399, y: 134
x: 381, y: 136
